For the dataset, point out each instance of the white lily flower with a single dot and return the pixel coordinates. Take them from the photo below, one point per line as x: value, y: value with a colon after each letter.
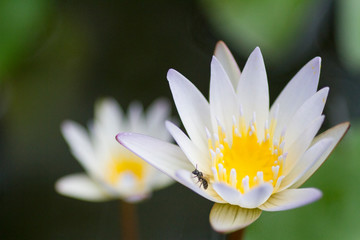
x: 251, y: 158
x: 112, y: 171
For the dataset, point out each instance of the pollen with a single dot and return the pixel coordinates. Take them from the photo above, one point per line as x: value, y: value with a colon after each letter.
x: 244, y: 160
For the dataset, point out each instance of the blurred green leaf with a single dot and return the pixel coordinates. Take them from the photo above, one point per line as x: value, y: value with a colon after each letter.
x: 348, y: 32
x: 273, y: 25
x: 336, y: 215
x: 20, y: 23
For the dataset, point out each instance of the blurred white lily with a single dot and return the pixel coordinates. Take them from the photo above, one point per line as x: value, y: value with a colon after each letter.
x: 252, y: 158
x: 112, y: 171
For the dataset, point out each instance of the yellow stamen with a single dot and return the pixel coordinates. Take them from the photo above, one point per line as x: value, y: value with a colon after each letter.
x: 245, y: 161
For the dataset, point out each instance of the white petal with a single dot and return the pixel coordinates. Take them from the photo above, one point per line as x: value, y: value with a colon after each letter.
x: 158, y: 111
x: 299, y: 146
x: 252, y: 199
x: 301, y: 87
x: 223, y: 54
x: 335, y: 133
x: 291, y: 198
x: 223, y: 101
x: 257, y: 196
x: 192, y: 107
x: 309, y: 111
x: 109, y: 114
x: 80, y: 145
x: 253, y: 91
x: 228, y: 193
x: 136, y: 118
x: 227, y: 218
x: 307, y: 161
x: 80, y: 186
x: 156, y: 115
x: 191, y: 151
x: 189, y: 180
x: 165, y: 156
x: 103, y: 141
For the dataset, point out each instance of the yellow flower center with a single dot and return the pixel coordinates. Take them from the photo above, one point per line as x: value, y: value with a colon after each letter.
x: 130, y: 164
x: 246, y: 161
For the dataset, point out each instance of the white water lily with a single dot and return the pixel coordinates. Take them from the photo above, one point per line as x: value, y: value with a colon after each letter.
x: 112, y: 171
x: 252, y: 158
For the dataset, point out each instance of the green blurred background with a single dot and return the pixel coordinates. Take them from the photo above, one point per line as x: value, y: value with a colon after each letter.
x: 58, y: 57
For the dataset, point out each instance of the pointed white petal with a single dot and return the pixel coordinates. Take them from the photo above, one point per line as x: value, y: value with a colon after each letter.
x: 197, y: 158
x: 136, y: 118
x: 80, y: 186
x: 252, y: 199
x: 223, y: 101
x: 291, y: 198
x: 102, y: 138
x: 165, y: 156
x: 156, y: 115
x: 158, y: 111
x: 299, y: 146
x: 109, y: 114
x: 192, y: 107
x: 253, y: 91
x: 302, y: 86
x: 256, y: 196
x: 189, y: 180
x: 228, y: 193
x: 228, y: 218
x: 80, y: 145
x: 309, y: 111
x: 307, y: 161
x: 336, y: 134
x: 223, y: 54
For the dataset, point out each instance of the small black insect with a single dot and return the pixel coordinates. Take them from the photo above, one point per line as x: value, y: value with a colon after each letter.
x: 201, y: 178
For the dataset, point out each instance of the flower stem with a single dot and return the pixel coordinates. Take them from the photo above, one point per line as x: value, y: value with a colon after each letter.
x: 129, y: 221
x: 238, y: 235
